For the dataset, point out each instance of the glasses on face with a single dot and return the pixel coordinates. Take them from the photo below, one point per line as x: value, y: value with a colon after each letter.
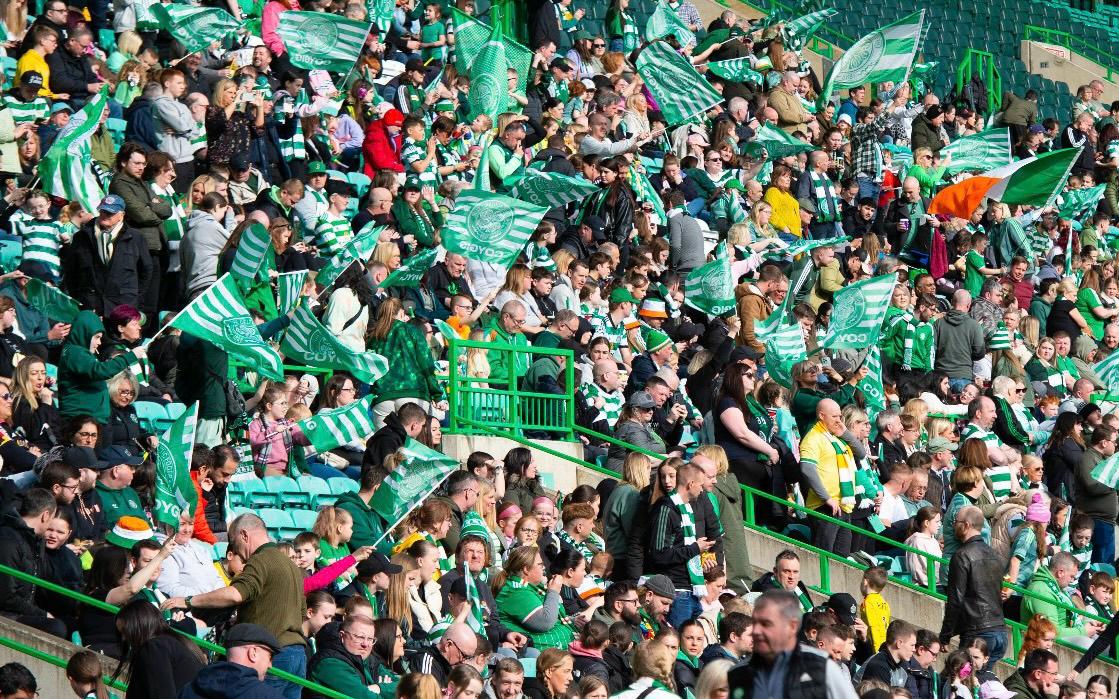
x: 1019, y: 389
x: 465, y: 658
x: 362, y: 640
x: 88, y: 435
x: 347, y: 389
x: 125, y: 392
x: 599, y: 46
x: 71, y: 487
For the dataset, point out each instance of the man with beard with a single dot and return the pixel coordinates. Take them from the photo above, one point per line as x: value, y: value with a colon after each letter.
x: 621, y: 604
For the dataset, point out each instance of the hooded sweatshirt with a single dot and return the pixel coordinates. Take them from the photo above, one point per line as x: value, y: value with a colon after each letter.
x: 368, y: 525
x: 200, y: 249
x: 336, y: 668
x: 225, y: 680
x: 959, y: 343
x: 175, y: 128
x: 82, y: 387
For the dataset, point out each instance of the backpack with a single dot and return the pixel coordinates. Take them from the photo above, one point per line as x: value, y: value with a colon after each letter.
x: 1002, y: 540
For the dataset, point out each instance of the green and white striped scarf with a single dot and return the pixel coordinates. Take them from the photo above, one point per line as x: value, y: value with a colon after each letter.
x: 580, y: 546
x: 687, y: 527
x: 827, y: 201
x: 294, y: 148
x: 846, y: 468
x: 1001, y: 482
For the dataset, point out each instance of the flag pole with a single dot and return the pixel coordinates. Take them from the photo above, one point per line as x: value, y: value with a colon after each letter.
x: 426, y: 495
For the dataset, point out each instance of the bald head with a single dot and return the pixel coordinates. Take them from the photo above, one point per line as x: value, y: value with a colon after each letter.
x: 961, y: 300
x: 911, y: 188
x: 380, y: 200
x: 828, y: 413
x: 969, y: 522
x: 458, y: 643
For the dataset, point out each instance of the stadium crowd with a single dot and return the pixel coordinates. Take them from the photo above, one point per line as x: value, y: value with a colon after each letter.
x: 976, y: 427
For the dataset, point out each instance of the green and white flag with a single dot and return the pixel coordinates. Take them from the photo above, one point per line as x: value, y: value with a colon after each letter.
x: 1107, y: 471
x: 643, y: 191
x: 310, y: 343
x: 321, y: 40
x: 476, y: 620
x: 194, y: 27
x: 51, y: 302
x: 871, y: 384
x: 489, y: 86
x: 856, y: 317
x: 552, y: 189
x: 797, y: 32
x: 979, y: 152
x: 289, y: 286
x: 1107, y: 369
x: 65, y: 170
x: 1076, y: 203
x: 422, y: 471
x: 881, y: 56
x: 174, y: 490
x: 471, y: 34
x: 490, y: 227
x: 330, y: 429
x: 784, y: 347
x: 736, y: 70
x: 380, y: 14
x: 359, y: 249
x: 804, y: 245
x: 664, y: 22
x: 218, y: 316
x: 681, y: 92
x: 251, y: 253
x: 482, y: 178
x: 710, y: 288
x: 412, y: 271
x: 777, y: 144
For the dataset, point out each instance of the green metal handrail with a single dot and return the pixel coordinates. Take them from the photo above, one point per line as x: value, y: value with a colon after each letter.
x: 1072, y: 42
x: 52, y: 659
x: 982, y: 63
x: 1017, y: 629
x: 201, y: 643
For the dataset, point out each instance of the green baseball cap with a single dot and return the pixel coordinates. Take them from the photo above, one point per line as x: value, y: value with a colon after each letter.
x: 316, y: 167
x: 622, y: 294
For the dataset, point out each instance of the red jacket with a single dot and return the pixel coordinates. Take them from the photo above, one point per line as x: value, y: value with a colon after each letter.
x: 201, y: 527
x: 381, y: 150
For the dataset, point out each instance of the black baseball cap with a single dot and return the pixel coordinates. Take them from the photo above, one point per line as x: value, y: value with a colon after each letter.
x: 246, y: 634
x: 377, y: 563
x: 843, y: 606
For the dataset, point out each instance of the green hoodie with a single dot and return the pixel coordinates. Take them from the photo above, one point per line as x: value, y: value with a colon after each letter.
x: 368, y: 525
x: 411, y: 366
x: 1045, y: 585
x: 82, y: 387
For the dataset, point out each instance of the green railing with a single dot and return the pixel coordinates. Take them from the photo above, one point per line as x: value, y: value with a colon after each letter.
x: 113, y: 609
x: 825, y: 558
x: 506, y: 405
x: 52, y: 659
x: 981, y: 63
x: 1072, y: 42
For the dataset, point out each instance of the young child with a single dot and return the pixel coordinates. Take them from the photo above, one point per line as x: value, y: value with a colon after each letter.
x: 1080, y: 541
x: 925, y: 528
x: 598, y: 570
x: 1101, y: 592
x: 42, y: 235
x: 1071, y: 690
x: 286, y: 548
x: 272, y: 434
x: 433, y: 35
x: 1031, y: 542
x: 305, y: 551
x: 874, y: 610
x: 974, y: 267
x: 334, y: 527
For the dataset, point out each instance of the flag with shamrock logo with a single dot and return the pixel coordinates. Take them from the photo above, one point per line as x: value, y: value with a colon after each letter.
x: 681, y: 92
x: 784, y: 347
x: 552, y: 189
x: 422, y: 471
x: 330, y: 429
x: 412, y: 271
x: 310, y: 343
x: 194, y: 27
x: 322, y: 40
x: 490, y: 227
x: 710, y: 288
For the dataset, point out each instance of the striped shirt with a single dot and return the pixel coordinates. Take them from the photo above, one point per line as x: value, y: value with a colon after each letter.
x: 37, y: 109
x: 198, y: 140
x: 612, y: 403
x: 41, y: 240
x: 331, y: 234
x: 616, y: 334
x: 414, y: 152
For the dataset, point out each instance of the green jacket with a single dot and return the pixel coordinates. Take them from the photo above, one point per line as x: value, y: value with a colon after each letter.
x: 411, y: 367
x: 408, y: 222
x: 1041, y: 583
x: 728, y: 495
x: 368, y: 525
x: 499, y: 361
x: 117, y: 503
x: 506, y: 169
x: 82, y: 387
x: 341, y: 676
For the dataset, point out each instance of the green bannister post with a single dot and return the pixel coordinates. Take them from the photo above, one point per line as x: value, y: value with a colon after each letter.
x: 452, y: 384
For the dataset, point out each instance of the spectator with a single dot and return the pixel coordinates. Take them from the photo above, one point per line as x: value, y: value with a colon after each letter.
x: 974, y: 606
x: 250, y: 649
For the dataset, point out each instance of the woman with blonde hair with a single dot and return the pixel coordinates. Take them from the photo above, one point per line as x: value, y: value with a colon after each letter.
x: 728, y: 496
x: 14, y: 15
x: 920, y: 410
x: 230, y: 130
x: 712, y: 682
x: 387, y: 254
x: 415, y: 685
x: 622, y: 506
x: 652, y: 670
x: 398, y: 606
x: 131, y: 79
x: 923, y: 171
x: 33, y: 408
x: 128, y: 48
x: 518, y: 282
x: 786, y: 209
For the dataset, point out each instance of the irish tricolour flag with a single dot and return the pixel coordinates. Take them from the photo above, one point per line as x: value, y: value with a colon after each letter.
x: 1033, y: 181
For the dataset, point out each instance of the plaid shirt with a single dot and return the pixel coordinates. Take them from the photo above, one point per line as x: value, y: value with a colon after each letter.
x: 688, y: 13
x: 866, y: 147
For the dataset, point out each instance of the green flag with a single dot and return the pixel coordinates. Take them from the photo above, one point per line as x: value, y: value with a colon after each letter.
x: 471, y: 34
x: 410, y: 483
x: 218, y: 316
x: 490, y: 227
x: 856, y: 317
x: 681, y: 92
x: 710, y: 288
x: 321, y: 40
x: 552, y: 189
x: 804, y: 245
x: 871, y: 384
x: 777, y: 143
x: 251, y: 253
x: 174, y: 490
x: 797, y: 32
x: 979, y: 152
x: 358, y: 249
x: 489, y: 89
x: 476, y: 619
x: 736, y: 70
x: 380, y: 14
x: 289, y: 286
x: 784, y: 347
x: 310, y: 343
x: 51, y: 302
x: 412, y: 271
x: 64, y: 169
x: 1107, y: 472
x: 194, y: 27
x: 643, y: 192
x: 1076, y: 203
x: 1107, y: 369
x: 330, y: 429
x: 664, y: 22
x: 482, y: 178
x: 884, y: 55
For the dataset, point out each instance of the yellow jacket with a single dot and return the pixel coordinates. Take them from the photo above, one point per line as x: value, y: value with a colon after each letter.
x: 33, y: 61
x: 786, y: 211
x: 875, y: 611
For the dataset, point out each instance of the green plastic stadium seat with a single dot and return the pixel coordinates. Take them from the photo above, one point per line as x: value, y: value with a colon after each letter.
x: 151, y: 416
x: 342, y: 485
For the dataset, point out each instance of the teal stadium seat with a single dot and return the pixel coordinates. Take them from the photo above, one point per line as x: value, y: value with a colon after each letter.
x: 315, y: 489
x: 277, y: 521
x: 151, y: 416
x: 11, y: 254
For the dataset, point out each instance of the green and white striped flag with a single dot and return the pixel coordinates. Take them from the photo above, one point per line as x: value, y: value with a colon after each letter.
x: 856, y: 317
x: 412, y: 271
x: 784, y: 348
x: 51, y: 302
x: 489, y: 86
x: 806, y: 245
x: 174, y: 490
x: 643, y: 191
x: 380, y: 14
x: 736, y: 70
x: 490, y: 227
x: 552, y: 189
x: 218, y: 315
x: 359, y: 249
x: 422, y: 471
x: 471, y: 34
x: 194, y: 27
x: 1107, y: 471
x: 710, y: 288
x: 777, y: 143
x: 476, y: 620
x: 871, y: 384
x: 482, y: 178
x: 310, y: 343
x: 289, y: 286
x: 251, y: 253
x: 681, y: 92
x: 1107, y: 369
x: 664, y: 22
x: 322, y: 41
x: 330, y: 429
x: 883, y: 55
x: 65, y: 168
x: 1076, y: 203
x: 979, y: 152
x: 797, y: 32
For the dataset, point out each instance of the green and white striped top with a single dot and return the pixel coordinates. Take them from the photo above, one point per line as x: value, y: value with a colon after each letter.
x: 37, y: 109
x: 198, y: 141
x: 41, y: 240
x: 331, y: 234
x: 415, y: 151
x: 612, y: 403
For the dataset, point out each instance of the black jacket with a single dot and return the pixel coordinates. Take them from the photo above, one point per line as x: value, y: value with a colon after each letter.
x: 101, y: 286
x: 588, y: 665
x: 22, y: 549
x: 974, y: 583
x: 384, y: 441
x: 619, y: 666
x: 162, y: 667
x: 805, y: 676
x: 1059, y: 464
x: 666, y: 552
x: 225, y: 680
x: 430, y: 661
x: 71, y: 74
x: 41, y: 427
x: 124, y: 429
x: 496, y: 632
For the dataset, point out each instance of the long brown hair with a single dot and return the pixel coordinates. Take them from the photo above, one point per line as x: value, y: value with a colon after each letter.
x: 386, y: 317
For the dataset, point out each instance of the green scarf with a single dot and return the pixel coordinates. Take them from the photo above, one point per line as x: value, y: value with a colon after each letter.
x: 580, y: 546
x: 827, y: 206
x: 648, y: 627
x: 687, y: 527
x: 846, y: 470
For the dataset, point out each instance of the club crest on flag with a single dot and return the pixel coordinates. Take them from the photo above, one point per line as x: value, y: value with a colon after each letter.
x: 861, y: 59
x: 321, y: 34
x: 489, y: 220
x: 319, y: 349
x: 164, y: 466
x: 849, y: 315
x: 240, y: 330
x: 715, y: 282
x: 486, y: 93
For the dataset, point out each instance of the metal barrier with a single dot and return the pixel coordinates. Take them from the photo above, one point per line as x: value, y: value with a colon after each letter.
x: 981, y: 63
x: 1072, y: 42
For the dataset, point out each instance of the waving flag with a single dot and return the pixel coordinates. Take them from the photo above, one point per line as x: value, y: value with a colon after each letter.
x: 65, y: 168
x: 1033, y: 181
x: 51, y: 302
x: 380, y: 13
x: 856, y: 318
x: 979, y: 152
x: 288, y: 287
x: 784, y: 347
x: 251, y: 253
x: 1077, y: 203
x: 777, y: 143
x: 174, y: 490
x: 218, y: 315
x: 471, y: 34
x: 489, y: 89
x: 797, y: 32
x: 321, y: 40
x: 881, y: 56
x: 358, y: 249
x: 552, y: 189
x: 330, y: 429
x: 1107, y: 471
x: 737, y: 70
x: 710, y: 288
x: 476, y: 619
x: 664, y: 22
x: 871, y: 384
x: 308, y: 341
x: 1107, y: 369
x: 194, y: 27
x: 412, y: 271
x: 643, y: 191
x: 410, y: 483
x: 681, y: 92
x: 490, y: 227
